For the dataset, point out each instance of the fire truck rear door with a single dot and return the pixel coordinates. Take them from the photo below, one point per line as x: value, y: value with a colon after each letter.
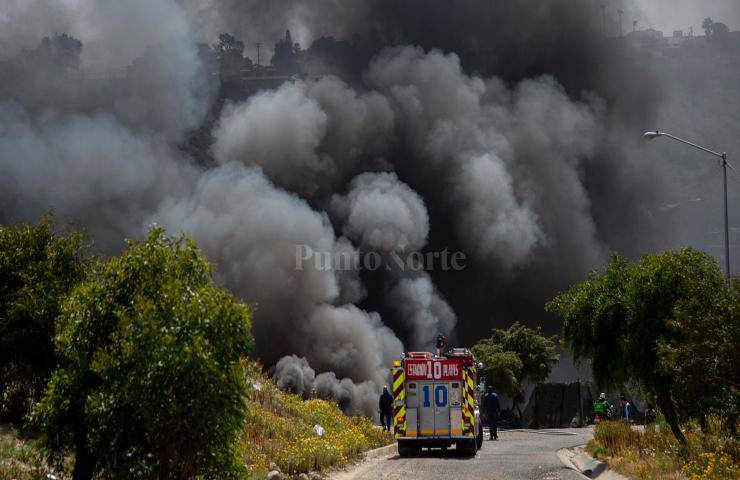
x: 440, y: 402
x: 426, y: 410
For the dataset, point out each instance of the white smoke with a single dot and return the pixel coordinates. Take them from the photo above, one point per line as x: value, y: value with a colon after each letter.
x: 380, y: 212
x: 421, y: 307
x: 250, y: 230
x: 280, y: 131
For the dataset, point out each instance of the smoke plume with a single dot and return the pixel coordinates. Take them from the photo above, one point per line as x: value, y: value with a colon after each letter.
x: 497, y: 129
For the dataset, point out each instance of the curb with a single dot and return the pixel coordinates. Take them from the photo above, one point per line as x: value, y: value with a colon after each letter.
x: 576, y: 459
x: 391, y: 449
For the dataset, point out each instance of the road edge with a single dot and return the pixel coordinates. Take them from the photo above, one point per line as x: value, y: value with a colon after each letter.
x: 390, y: 449
x: 575, y: 458
x: 365, y: 459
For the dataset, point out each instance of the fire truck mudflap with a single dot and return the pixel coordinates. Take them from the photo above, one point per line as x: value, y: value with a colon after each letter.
x: 435, y: 403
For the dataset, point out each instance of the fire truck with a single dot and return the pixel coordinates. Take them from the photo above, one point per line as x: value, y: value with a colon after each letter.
x: 434, y: 401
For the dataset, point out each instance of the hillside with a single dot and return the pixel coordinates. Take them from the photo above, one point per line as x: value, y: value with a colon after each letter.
x: 279, y: 428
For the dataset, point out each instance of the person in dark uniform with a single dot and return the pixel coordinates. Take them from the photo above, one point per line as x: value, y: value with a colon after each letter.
x: 385, y: 405
x: 491, y: 407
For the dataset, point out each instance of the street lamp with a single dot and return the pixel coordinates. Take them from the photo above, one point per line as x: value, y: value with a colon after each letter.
x: 723, y: 156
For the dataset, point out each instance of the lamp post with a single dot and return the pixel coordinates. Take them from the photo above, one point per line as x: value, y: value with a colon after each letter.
x: 723, y: 156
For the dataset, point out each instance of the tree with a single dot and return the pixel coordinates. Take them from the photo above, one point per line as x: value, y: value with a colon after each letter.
x: 633, y: 319
x: 501, y: 370
x: 60, y: 52
x: 38, y: 269
x: 230, y: 53
x: 151, y: 381
x: 719, y: 32
x: 715, y: 31
x: 700, y: 355
x: 287, y: 57
x: 511, y: 357
x: 228, y: 44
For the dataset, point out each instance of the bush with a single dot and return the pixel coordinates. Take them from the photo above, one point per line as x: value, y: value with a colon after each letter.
x: 151, y: 381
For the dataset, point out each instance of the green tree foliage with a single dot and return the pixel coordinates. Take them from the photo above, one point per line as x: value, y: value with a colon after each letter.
x: 38, y: 268
x: 511, y: 357
x: 151, y: 382
x: 665, y: 322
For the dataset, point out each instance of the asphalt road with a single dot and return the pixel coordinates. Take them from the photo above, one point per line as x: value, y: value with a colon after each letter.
x: 517, y: 454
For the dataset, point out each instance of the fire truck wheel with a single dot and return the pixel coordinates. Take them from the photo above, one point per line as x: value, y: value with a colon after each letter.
x: 467, y: 447
x: 406, y: 449
x: 479, y: 438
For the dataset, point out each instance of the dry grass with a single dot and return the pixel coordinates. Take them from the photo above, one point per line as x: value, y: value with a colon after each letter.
x: 654, y: 454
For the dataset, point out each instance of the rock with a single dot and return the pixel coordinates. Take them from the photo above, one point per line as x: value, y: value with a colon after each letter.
x: 300, y: 476
x: 273, y: 466
x: 315, y: 476
x: 274, y: 475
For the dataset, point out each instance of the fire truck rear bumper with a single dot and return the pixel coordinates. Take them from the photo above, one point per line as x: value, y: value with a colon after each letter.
x: 435, y: 438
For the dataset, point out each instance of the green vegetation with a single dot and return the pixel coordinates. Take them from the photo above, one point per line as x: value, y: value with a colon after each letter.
x: 20, y: 460
x: 279, y: 428
x: 151, y: 380
x: 670, y: 323
x: 136, y: 367
x: 655, y: 454
x: 512, y: 356
x: 38, y: 268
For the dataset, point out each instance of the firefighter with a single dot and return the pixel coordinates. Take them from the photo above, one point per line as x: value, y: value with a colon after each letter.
x: 492, y: 407
x: 385, y: 405
x: 600, y: 408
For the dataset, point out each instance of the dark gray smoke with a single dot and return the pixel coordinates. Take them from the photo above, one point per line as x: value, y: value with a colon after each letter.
x: 500, y: 129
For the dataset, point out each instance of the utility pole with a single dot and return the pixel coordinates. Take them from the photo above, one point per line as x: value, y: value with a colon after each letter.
x: 603, y: 14
x: 727, y: 220
x: 621, y: 31
x: 258, y: 45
